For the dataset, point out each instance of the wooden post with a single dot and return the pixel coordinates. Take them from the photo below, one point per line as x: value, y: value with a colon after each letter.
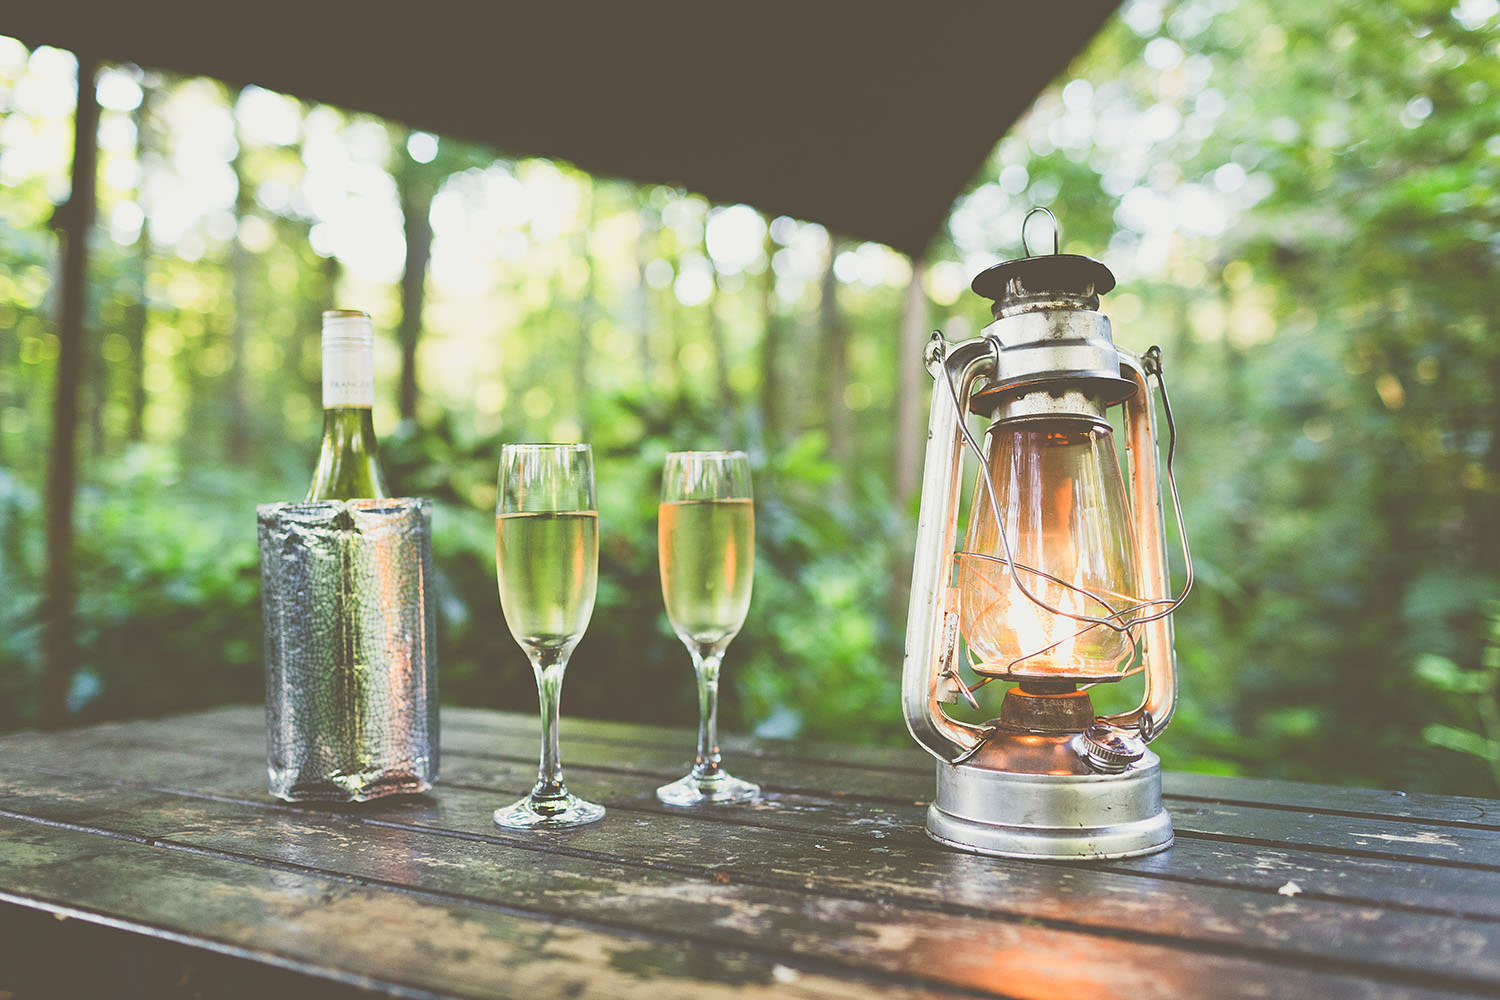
x: 73, y: 220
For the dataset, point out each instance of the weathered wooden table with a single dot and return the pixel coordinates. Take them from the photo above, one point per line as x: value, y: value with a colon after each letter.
x: 145, y: 858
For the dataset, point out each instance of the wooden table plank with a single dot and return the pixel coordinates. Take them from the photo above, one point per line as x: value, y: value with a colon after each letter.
x: 1022, y: 959
x: 1279, y: 827
x: 486, y: 733
x: 152, y: 966
x: 1266, y: 866
x: 1419, y: 888
x: 1407, y: 886
x: 399, y: 942
x: 1180, y: 784
x: 831, y: 875
x: 965, y: 885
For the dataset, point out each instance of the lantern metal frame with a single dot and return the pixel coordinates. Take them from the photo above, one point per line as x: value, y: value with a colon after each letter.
x: 1087, y: 788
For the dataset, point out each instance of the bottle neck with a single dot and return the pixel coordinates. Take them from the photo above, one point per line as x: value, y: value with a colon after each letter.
x: 348, y: 460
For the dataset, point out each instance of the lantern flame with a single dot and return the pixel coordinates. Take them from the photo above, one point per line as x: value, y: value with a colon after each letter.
x: 1009, y: 633
x: 1044, y: 636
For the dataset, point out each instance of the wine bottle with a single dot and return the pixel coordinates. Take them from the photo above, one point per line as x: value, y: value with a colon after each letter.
x: 348, y: 462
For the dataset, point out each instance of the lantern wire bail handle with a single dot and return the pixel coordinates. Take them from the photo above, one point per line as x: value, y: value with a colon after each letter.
x: 1056, y: 229
x: 1124, y: 621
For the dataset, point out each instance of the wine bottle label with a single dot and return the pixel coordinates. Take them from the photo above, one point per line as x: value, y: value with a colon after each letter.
x: 348, y: 366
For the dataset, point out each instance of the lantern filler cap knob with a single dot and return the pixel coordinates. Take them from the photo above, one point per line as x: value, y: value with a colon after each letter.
x: 1109, y: 749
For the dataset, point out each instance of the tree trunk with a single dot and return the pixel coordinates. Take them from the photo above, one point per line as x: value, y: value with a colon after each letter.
x: 911, y: 435
x: 136, y: 314
x: 236, y: 394
x: 327, y: 298
x: 416, y: 195
x: 835, y: 373
x: 728, y: 411
x: 770, y: 356
x: 671, y: 321
x: 911, y: 420
x: 74, y: 219
x: 588, y: 306
x: 643, y: 242
x: 135, y: 333
x: 95, y: 381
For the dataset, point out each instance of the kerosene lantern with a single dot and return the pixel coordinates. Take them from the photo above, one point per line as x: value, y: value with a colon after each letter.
x: 1060, y: 583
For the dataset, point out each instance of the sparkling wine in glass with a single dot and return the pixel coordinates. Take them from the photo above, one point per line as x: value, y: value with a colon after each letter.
x: 706, y: 542
x: 547, y: 558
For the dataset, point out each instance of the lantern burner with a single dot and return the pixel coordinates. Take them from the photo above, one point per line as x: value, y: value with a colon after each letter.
x: 1042, y: 707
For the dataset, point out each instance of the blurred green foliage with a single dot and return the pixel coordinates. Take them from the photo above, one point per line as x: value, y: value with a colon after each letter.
x: 1302, y: 203
x: 1481, y: 688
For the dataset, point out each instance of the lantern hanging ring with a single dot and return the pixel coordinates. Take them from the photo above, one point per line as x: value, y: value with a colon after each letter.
x: 1056, y: 229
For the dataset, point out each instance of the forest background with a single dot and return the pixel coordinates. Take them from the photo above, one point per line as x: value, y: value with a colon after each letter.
x: 1301, y: 202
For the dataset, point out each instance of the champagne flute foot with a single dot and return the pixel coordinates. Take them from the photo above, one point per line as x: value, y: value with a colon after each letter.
x: 548, y: 814
x: 721, y: 790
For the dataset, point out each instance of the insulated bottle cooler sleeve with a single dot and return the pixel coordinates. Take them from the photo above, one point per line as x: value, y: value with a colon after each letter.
x: 350, y: 648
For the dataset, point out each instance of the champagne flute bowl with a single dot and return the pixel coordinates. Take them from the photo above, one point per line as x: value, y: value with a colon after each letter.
x: 706, y: 543
x: 547, y: 562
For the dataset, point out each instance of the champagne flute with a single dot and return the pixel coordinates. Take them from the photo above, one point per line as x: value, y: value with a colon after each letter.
x: 706, y: 542
x: 547, y: 560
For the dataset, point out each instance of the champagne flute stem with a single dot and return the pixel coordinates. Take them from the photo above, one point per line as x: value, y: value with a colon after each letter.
x: 706, y: 665
x: 549, y: 665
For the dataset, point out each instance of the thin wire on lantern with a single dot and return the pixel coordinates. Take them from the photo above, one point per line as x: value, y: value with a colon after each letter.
x: 1153, y: 368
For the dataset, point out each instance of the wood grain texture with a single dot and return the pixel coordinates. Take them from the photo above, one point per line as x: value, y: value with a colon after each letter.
x: 331, y: 928
x: 827, y: 887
